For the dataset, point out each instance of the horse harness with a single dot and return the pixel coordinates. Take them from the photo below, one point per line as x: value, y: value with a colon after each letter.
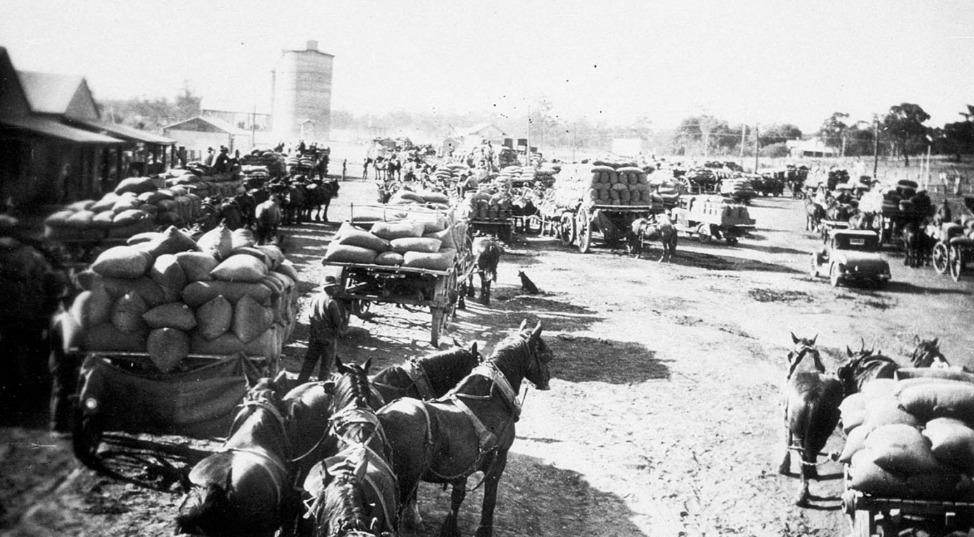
x: 486, y: 440
x: 420, y: 380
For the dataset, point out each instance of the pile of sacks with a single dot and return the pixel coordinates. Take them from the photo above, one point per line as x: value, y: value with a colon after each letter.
x: 427, y: 198
x: 169, y: 296
x: 484, y: 205
x: 136, y: 206
x: 912, y: 437
x: 727, y: 212
x: 407, y: 243
x: 604, y: 185
x: 274, y: 162
x: 739, y: 188
x: 901, y: 198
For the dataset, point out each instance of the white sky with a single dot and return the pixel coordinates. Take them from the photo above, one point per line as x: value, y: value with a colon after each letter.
x: 767, y: 61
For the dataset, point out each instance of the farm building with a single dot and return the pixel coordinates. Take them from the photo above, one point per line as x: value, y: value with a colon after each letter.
x: 475, y: 135
x: 814, y: 148
x: 199, y: 133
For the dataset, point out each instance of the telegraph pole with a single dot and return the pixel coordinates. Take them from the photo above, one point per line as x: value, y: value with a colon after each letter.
x: 756, y: 148
x: 875, y: 147
x: 743, y: 136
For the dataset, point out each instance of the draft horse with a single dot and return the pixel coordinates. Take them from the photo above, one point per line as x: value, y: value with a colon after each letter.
x: 487, y: 256
x: 354, y: 490
x: 243, y: 489
x: 426, y: 377
x: 812, y: 401
x: 927, y: 354
x: 470, y: 429
x: 267, y: 219
x: 652, y: 229
x: 863, y: 367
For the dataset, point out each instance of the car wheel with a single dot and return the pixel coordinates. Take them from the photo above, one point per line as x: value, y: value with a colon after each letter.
x: 834, y: 278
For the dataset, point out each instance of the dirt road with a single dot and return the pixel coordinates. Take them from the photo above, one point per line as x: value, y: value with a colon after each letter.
x: 662, y: 418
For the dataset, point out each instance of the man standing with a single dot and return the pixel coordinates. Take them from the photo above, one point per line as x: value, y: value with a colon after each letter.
x: 328, y: 321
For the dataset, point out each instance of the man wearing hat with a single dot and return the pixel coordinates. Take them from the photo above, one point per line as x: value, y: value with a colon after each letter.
x: 328, y: 321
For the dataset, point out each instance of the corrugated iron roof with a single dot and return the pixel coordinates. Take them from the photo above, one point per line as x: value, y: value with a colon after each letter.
x: 216, y: 122
x: 125, y: 132
x: 49, y: 127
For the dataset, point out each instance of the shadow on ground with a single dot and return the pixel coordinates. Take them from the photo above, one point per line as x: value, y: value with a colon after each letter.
x: 585, y: 359
x: 531, y: 494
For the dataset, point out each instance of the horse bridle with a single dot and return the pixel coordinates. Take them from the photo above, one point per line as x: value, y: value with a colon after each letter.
x: 265, y: 404
x: 931, y: 352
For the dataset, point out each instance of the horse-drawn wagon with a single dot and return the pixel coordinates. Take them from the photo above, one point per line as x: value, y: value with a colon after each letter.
x: 712, y: 217
x: 906, y: 475
x: 411, y: 256
x: 952, y: 250
x: 169, y: 331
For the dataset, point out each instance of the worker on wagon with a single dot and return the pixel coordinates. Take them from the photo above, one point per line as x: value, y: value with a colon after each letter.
x: 328, y: 321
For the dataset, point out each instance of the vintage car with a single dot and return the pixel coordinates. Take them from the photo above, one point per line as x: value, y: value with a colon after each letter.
x: 851, y: 255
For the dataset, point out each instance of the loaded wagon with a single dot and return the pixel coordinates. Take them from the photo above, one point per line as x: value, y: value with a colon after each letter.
x: 904, y: 473
x: 422, y: 269
x: 712, y: 217
x: 603, y: 198
x: 952, y: 251
x: 170, y: 331
x: 895, y: 208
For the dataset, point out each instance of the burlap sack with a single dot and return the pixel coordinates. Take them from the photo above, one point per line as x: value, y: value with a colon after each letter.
x: 398, y: 230
x: 442, y: 260
x: 250, y: 319
x: 349, y: 235
x: 197, y: 265
x: 218, y: 242
x: 952, y: 442
x: 416, y: 244
x: 349, y: 254
x: 901, y: 448
x: 122, y: 262
x: 144, y: 287
x: 947, y: 399
x: 198, y: 293
x: 92, y: 308
x: 167, y: 347
x: 389, y: 259
x: 240, y: 268
x: 214, y: 318
x: 175, y: 315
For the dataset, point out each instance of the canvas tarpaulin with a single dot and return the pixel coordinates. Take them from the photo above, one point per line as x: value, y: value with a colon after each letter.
x: 199, y: 403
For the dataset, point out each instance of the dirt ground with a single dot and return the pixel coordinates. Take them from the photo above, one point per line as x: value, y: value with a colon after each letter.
x: 663, y: 417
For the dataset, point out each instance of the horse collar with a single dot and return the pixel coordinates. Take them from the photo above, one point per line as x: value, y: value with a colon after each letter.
x: 417, y: 374
x: 491, y: 371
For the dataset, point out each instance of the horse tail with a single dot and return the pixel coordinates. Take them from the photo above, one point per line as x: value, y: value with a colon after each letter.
x: 202, y: 508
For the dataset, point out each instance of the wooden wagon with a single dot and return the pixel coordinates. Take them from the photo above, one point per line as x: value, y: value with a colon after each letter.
x: 578, y: 227
x: 952, y: 251
x: 712, y: 217
x: 362, y: 284
x: 872, y: 515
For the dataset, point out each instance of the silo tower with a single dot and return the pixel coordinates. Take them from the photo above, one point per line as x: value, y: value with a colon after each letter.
x: 301, y: 108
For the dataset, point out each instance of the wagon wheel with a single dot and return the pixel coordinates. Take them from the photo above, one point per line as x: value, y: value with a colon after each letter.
x: 703, y: 233
x: 956, y: 263
x: 584, y: 233
x: 566, y: 229
x: 86, y: 433
x: 940, y: 257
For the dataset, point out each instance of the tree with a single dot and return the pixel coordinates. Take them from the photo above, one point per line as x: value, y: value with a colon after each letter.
x: 778, y: 134
x: 187, y: 104
x: 904, y: 125
x: 832, y: 129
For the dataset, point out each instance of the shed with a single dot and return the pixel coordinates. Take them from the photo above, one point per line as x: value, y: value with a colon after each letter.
x: 475, y: 135
x: 813, y: 148
x: 198, y: 133
x: 45, y: 161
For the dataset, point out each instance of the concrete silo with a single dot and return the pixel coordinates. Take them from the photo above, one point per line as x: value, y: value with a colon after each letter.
x: 301, y: 108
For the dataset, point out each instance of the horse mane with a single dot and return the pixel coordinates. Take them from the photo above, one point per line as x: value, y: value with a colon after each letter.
x: 450, y: 365
x: 344, y: 504
x: 352, y: 388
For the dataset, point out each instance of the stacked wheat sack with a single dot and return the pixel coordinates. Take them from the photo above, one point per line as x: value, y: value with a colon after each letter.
x: 169, y: 296
x: 486, y: 204
x: 912, y: 438
x: 136, y: 206
x: 737, y: 188
x: 274, y: 162
x: 407, y: 243
x: 426, y: 198
x: 603, y: 184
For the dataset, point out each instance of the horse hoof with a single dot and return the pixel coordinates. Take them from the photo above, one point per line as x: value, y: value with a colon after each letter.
x: 801, y: 500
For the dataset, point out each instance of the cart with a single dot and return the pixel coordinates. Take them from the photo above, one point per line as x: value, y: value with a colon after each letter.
x: 611, y: 221
x: 952, y: 250
x: 502, y: 228
x: 361, y: 284
x: 123, y: 392
x: 712, y: 217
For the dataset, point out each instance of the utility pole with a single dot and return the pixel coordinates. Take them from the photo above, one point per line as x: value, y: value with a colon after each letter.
x: 756, y: 148
x: 574, y: 134
x: 875, y: 147
x: 743, y: 136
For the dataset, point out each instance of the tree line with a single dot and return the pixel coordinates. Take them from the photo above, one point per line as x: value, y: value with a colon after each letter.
x: 900, y: 132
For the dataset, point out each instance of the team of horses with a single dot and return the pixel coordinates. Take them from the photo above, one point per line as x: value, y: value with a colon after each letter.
x: 812, y: 396
x: 264, y: 208
x: 344, y: 456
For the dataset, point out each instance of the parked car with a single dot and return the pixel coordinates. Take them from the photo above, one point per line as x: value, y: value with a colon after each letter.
x: 851, y: 255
